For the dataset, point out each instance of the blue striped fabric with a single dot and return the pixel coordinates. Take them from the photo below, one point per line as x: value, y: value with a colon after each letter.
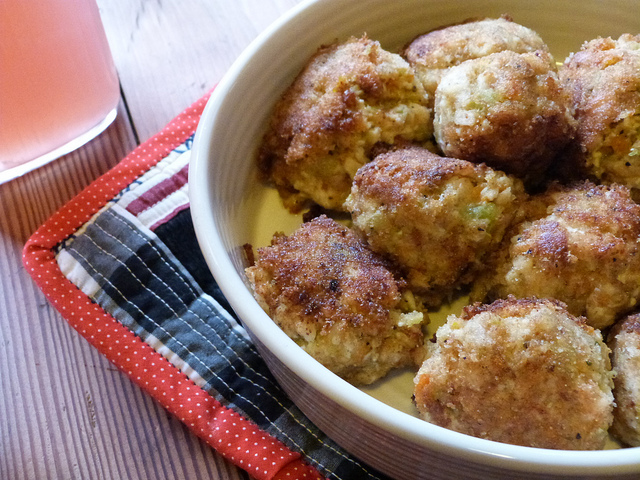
x: 156, y: 283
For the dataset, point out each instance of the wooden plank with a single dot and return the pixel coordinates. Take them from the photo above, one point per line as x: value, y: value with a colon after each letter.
x: 169, y: 54
x: 43, y: 424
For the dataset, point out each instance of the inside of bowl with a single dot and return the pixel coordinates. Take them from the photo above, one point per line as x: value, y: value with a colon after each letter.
x: 247, y: 212
x: 563, y: 25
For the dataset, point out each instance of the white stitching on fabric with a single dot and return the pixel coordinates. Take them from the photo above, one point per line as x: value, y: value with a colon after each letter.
x: 178, y: 341
x: 193, y: 290
x: 121, y: 220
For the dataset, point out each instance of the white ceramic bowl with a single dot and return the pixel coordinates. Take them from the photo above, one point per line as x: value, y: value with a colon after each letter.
x: 230, y: 208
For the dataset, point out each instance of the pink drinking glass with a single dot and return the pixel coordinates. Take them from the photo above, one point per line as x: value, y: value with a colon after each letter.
x: 58, y: 83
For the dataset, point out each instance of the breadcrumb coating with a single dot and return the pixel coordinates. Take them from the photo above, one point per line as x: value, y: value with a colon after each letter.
x: 435, y: 217
x: 524, y: 372
x: 349, y: 98
x: 433, y: 53
x: 507, y: 110
x: 624, y: 340
x: 340, y: 302
x: 603, y: 79
x: 578, y: 244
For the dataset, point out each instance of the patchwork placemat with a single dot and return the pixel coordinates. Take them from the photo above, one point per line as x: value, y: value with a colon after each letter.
x: 121, y: 263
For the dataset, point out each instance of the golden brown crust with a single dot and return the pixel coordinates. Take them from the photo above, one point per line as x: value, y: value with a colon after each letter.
x: 338, y: 300
x: 604, y: 84
x: 313, y: 271
x: 630, y: 324
x: 435, y: 217
x: 519, y: 371
x: 349, y: 97
x: 433, y: 53
x: 624, y: 341
x: 578, y: 244
x: 512, y: 306
x: 507, y: 110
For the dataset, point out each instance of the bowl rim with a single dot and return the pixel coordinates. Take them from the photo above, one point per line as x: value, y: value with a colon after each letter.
x: 433, y: 437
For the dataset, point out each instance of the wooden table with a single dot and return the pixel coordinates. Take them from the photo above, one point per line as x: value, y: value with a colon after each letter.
x: 65, y: 411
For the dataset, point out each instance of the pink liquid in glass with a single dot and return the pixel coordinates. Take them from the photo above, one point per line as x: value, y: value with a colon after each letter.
x: 58, y: 83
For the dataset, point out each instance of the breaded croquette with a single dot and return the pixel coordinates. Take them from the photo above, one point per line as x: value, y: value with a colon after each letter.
x: 579, y: 244
x: 349, y: 98
x: 603, y: 79
x: 624, y: 341
x: 435, y: 217
x: 433, y: 53
x: 339, y: 301
x: 524, y: 372
x: 507, y: 110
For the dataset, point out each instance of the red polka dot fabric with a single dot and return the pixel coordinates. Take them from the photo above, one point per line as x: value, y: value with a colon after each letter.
x: 235, y: 437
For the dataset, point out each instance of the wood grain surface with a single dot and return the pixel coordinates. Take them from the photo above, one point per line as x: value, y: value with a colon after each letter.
x: 66, y: 412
